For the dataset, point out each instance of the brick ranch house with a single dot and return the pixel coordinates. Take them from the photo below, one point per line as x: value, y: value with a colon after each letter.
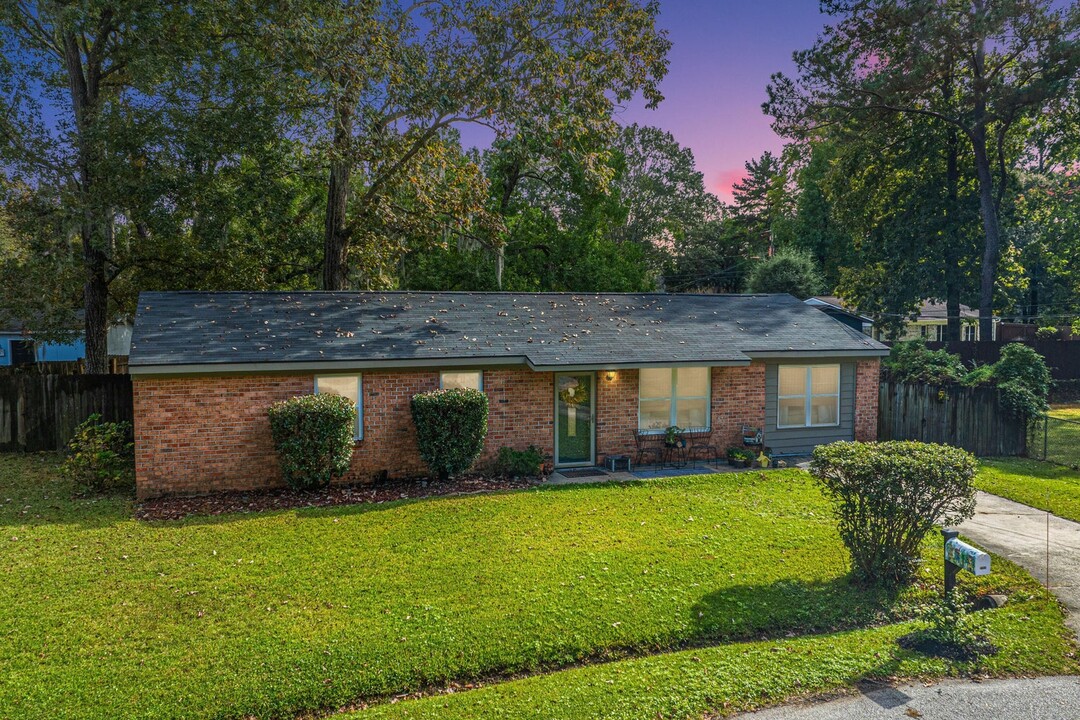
x: 573, y: 374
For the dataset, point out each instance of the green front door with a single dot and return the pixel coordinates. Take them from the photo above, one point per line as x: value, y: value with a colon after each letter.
x: 575, y: 429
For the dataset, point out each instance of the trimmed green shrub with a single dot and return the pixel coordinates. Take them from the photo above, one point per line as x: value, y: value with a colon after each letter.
x: 450, y: 429
x: 313, y: 437
x: 888, y: 496
x: 519, y: 463
x: 100, y: 455
x: 912, y: 361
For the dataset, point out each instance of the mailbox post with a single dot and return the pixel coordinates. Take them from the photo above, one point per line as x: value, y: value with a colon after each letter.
x: 961, y: 556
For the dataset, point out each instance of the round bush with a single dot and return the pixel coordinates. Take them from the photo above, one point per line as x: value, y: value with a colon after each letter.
x: 888, y: 496
x: 450, y: 429
x: 100, y: 455
x: 313, y: 437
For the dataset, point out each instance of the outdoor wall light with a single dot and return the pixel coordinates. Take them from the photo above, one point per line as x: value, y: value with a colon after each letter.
x: 610, y: 376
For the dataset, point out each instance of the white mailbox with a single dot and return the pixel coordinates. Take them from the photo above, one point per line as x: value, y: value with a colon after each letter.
x: 966, y: 557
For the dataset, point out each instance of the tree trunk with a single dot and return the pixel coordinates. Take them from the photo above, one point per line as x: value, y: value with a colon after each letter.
x: 336, y: 238
x: 83, y: 84
x: 952, y: 253
x: 992, y: 232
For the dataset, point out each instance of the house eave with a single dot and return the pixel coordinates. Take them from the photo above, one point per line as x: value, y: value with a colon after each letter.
x: 328, y: 366
x: 812, y: 354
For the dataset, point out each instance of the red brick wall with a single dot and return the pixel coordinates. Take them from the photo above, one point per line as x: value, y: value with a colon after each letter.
x: 209, y: 434
x: 738, y: 398
x: 616, y: 413
x: 867, y: 376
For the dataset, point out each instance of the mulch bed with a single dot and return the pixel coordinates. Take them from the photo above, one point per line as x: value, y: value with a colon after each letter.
x: 175, y: 508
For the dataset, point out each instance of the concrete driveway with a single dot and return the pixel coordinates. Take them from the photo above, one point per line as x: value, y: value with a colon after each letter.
x: 1052, y: 698
x: 1019, y: 533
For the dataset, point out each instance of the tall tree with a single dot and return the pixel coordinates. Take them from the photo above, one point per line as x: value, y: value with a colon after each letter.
x: 89, y: 60
x: 659, y: 184
x: 763, y: 202
x: 384, y: 80
x: 999, y: 59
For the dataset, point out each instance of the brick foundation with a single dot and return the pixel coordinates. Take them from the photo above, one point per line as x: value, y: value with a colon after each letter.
x: 209, y: 434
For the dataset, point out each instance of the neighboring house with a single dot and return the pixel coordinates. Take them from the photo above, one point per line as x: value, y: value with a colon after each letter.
x: 18, y: 347
x: 575, y: 375
x: 933, y: 320
x: 835, y: 308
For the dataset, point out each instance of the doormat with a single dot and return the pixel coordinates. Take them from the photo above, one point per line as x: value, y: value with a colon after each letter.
x: 583, y: 473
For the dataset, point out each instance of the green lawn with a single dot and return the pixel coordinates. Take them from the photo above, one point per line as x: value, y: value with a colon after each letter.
x: 1032, y: 482
x: 1062, y: 439
x: 280, y: 613
x: 736, y: 677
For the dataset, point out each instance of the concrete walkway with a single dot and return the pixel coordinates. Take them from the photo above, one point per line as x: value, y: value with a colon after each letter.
x: 1052, y: 698
x: 1019, y: 533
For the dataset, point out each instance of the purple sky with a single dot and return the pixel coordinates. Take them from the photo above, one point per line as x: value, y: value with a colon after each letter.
x: 722, y: 56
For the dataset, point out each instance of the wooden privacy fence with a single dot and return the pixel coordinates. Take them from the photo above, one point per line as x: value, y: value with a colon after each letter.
x: 970, y: 418
x: 41, y: 412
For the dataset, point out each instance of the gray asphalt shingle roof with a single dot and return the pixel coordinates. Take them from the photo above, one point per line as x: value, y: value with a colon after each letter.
x: 541, y: 329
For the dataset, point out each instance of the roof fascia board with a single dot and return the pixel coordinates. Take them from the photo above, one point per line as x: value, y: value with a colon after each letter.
x: 252, y: 368
x: 640, y: 365
x: 320, y: 366
x: 816, y: 354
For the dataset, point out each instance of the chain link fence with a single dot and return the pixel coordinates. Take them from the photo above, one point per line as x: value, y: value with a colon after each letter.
x: 1056, y: 439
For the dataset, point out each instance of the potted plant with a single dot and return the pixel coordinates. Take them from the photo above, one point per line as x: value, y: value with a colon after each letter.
x: 673, y: 437
x: 734, y: 454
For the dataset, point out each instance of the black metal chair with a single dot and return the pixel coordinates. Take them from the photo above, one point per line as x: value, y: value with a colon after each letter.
x: 647, y: 447
x: 701, y: 446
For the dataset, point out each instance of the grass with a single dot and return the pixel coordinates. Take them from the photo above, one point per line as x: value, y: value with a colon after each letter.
x: 282, y: 613
x: 738, y: 677
x: 1062, y: 439
x: 1041, y: 485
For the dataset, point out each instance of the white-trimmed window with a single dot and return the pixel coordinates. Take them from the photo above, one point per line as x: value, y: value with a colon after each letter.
x: 808, y: 396
x: 462, y: 379
x: 350, y: 386
x: 971, y: 332
x: 673, y: 396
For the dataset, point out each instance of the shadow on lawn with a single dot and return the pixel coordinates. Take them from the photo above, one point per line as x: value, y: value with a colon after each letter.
x: 791, y: 606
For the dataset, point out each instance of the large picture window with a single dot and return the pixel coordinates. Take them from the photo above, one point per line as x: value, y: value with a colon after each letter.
x: 808, y: 396
x: 673, y: 396
x: 349, y: 386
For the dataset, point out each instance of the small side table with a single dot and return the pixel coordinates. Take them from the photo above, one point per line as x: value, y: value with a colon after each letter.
x: 616, y: 462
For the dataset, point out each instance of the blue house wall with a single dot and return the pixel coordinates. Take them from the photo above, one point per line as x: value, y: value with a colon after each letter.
x: 45, y: 352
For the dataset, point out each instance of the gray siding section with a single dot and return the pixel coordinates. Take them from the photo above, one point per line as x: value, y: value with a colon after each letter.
x: 801, y: 441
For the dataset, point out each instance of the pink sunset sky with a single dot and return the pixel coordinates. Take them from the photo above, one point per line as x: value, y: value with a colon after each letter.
x: 722, y: 56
